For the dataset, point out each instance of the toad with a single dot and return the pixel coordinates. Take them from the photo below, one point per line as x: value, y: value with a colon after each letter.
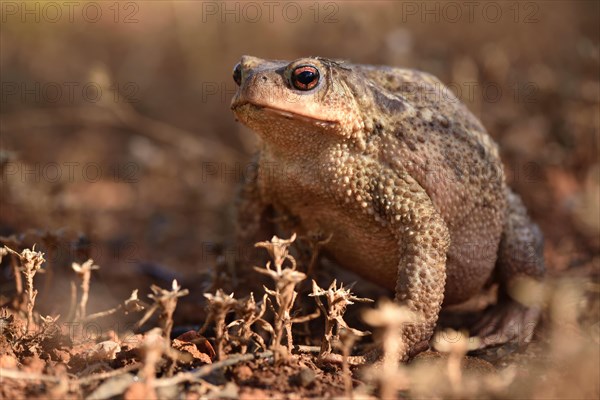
x: 405, y: 180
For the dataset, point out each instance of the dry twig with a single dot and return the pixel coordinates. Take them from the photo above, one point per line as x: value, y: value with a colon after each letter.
x: 456, y: 347
x: 391, y: 318
x: 14, y: 241
x: 166, y: 300
x: 338, y: 299
x: 219, y: 305
x: 31, y: 263
x: 250, y: 313
x: 316, y: 242
x: 132, y: 304
x: 285, y: 294
x: 209, y: 369
x: 3, y: 253
x: 84, y: 271
x: 347, y: 340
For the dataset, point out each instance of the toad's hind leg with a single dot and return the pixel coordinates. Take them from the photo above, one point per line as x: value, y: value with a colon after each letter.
x: 520, y: 256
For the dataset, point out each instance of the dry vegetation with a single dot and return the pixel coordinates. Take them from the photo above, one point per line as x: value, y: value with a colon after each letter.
x: 119, y: 276
x: 255, y: 349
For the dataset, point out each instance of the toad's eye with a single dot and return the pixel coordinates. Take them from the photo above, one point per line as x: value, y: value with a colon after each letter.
x: 237, y: 74
x: 305, y: 77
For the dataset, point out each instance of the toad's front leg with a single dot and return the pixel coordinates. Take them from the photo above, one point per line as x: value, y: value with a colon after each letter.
x: 399, y: 202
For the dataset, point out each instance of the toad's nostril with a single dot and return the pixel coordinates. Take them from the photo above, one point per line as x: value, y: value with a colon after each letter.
x: 264, y: 78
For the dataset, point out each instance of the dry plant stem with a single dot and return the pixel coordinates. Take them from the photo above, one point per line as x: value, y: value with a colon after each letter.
x: 334, y: 358
x: 219, y: 305
x: 233, y: 359
x: 285, y: 295
x: 154, y: 347
x: 6, y: 373
x: 109, y: 374
x: 393, y: 345
x: 457, y: 345
x: 391, y: 318
x: 132, y: 304
x: 90, y: 369
x: 16, y: 374
x: 4, y: 251
x: 102, y: 314
x: 85, y: 290
x: 250, y: 313
x: 455, y: 371
x: 166, y: 300
x: 149, y: 312
x: 347, y: 342
x: 84, y: 271
x: 153, y: 353
x: 307, y: 349
x: 283, y: 320
x: 31, y: 262
x: 284, y: 317
x: 220, y: 336
x: 338, y: 299
x: 73, y: 302
x: 316, y: 245
x: 49, y: 326
x: 17, y: 274
x: 31, y: 294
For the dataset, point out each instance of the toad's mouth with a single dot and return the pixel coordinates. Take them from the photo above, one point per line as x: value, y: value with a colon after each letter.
x: 289, y: 115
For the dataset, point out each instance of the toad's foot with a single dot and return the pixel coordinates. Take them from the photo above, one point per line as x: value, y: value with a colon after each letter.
x: 507, y: 322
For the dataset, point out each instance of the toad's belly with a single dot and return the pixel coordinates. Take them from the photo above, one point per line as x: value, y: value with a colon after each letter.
x: 358, y: 244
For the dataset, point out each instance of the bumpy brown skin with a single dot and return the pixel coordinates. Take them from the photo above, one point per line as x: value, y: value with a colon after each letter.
x: 402, y: 175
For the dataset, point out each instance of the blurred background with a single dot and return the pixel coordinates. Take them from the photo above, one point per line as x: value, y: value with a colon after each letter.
x: 117, y: 141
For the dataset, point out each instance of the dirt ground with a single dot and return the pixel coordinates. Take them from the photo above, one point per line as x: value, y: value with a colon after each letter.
x: 117, y: 145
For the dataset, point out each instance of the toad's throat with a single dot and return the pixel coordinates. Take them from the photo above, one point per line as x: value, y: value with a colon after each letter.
x: 290, y: 115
